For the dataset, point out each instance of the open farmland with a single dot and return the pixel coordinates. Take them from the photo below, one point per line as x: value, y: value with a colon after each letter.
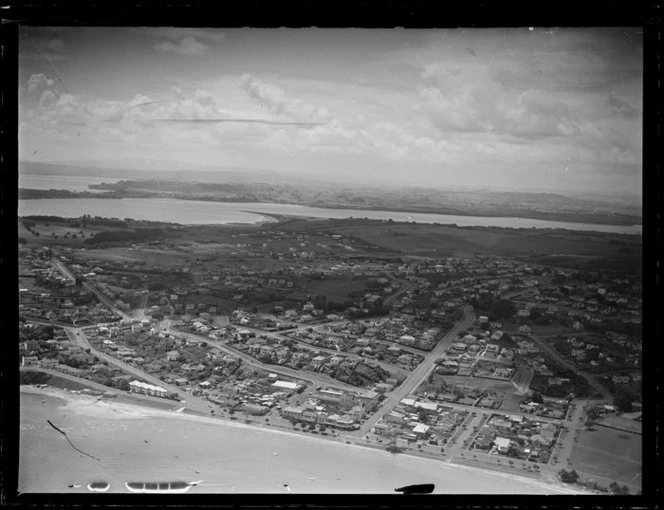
x: 566, y: 248
x: 50, y: 233
x: 165, y: 257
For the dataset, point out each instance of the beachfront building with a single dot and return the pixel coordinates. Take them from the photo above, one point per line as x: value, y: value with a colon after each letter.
x: 338, y: 397
x: 147, y: 389
x: 502, y: 444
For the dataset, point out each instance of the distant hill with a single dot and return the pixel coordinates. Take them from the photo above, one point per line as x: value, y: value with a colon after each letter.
x: 123, y: 169
x: 275, y: 186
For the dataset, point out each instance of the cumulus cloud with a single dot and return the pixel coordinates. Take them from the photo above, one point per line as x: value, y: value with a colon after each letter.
x: 472, y: 99
x: 538, y: 113
x: 128, y: 115
x: 188, y: 46
x: 55, y: 45
x: 273, y: 98
x: 269, y: 95
x: 47, y: 98
x: 38, y: 82
x: 39, y: 43
x: 203, y: 97
x: 451, y: 112
x: 622, y: 107
x: 178, y: 33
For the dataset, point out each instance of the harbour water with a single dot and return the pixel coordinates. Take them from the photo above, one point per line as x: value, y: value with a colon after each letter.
x: 67, y: 182
x: 195, y: 212
x: 148, y: 446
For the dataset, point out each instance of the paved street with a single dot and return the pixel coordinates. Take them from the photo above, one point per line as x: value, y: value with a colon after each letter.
x: 192, y: 402
x: 314, y: 379
x: 100, y: 295
x: 419, y: 374
x: 276, y: 336
x: 550, y: 351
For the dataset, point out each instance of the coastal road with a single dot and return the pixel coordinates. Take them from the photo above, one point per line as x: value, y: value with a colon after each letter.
x: 419, y: 374
x: 550, y: 351
x: 135, y: 398
x: 73, y: 378
x: 314, y: 379
x: 192, y: 402
x: 47, y: 322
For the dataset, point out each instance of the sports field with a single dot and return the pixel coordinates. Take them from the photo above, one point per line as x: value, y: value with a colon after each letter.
x: 611, y: 454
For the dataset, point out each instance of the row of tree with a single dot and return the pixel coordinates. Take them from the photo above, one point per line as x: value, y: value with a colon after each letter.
x: 120, y: 236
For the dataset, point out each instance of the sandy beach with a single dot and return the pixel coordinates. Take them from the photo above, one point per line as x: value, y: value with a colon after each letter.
x: 136, y: 443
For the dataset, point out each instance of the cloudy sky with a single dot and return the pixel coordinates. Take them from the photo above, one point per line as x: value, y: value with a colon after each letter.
x: 547, y: 109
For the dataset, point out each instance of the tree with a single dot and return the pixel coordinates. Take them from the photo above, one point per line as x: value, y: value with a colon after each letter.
x: 502, y: 309
x: 122, y: 384
x: 33, y: 378
x: 393, y: 448
x: 537, y: 397
x: 623, y: 402
x: 593, y: 413
x: 622, y: 490
x: 568, y: 476
x: 559, y: 278
x: 513, y: 452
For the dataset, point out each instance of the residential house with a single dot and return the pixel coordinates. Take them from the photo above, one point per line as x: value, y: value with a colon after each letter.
x: 502, y: 444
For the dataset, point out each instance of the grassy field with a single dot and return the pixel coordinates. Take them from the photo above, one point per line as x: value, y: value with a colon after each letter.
x: 505, y: 388
x: 609, y: 453
x: 602, y: 262
x: 48, y: 232
x: 562, y: 247
x: 550, y: 329
x: 336, y: 290
x: 152, y: 257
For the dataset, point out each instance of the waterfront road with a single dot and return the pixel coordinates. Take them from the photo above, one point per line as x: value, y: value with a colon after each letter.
x: 310, y: 377
x: 194, y: 403
x: 124, y: 396
x: 419, y: 374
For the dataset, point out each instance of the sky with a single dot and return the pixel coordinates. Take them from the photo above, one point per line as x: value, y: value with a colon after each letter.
x: 516, y: 109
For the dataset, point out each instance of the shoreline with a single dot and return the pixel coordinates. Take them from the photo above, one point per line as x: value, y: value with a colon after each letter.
x: 109, y: 409
x: 563, y: 218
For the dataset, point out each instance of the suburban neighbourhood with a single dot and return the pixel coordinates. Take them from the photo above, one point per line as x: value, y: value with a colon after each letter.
x: 483, y: 359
